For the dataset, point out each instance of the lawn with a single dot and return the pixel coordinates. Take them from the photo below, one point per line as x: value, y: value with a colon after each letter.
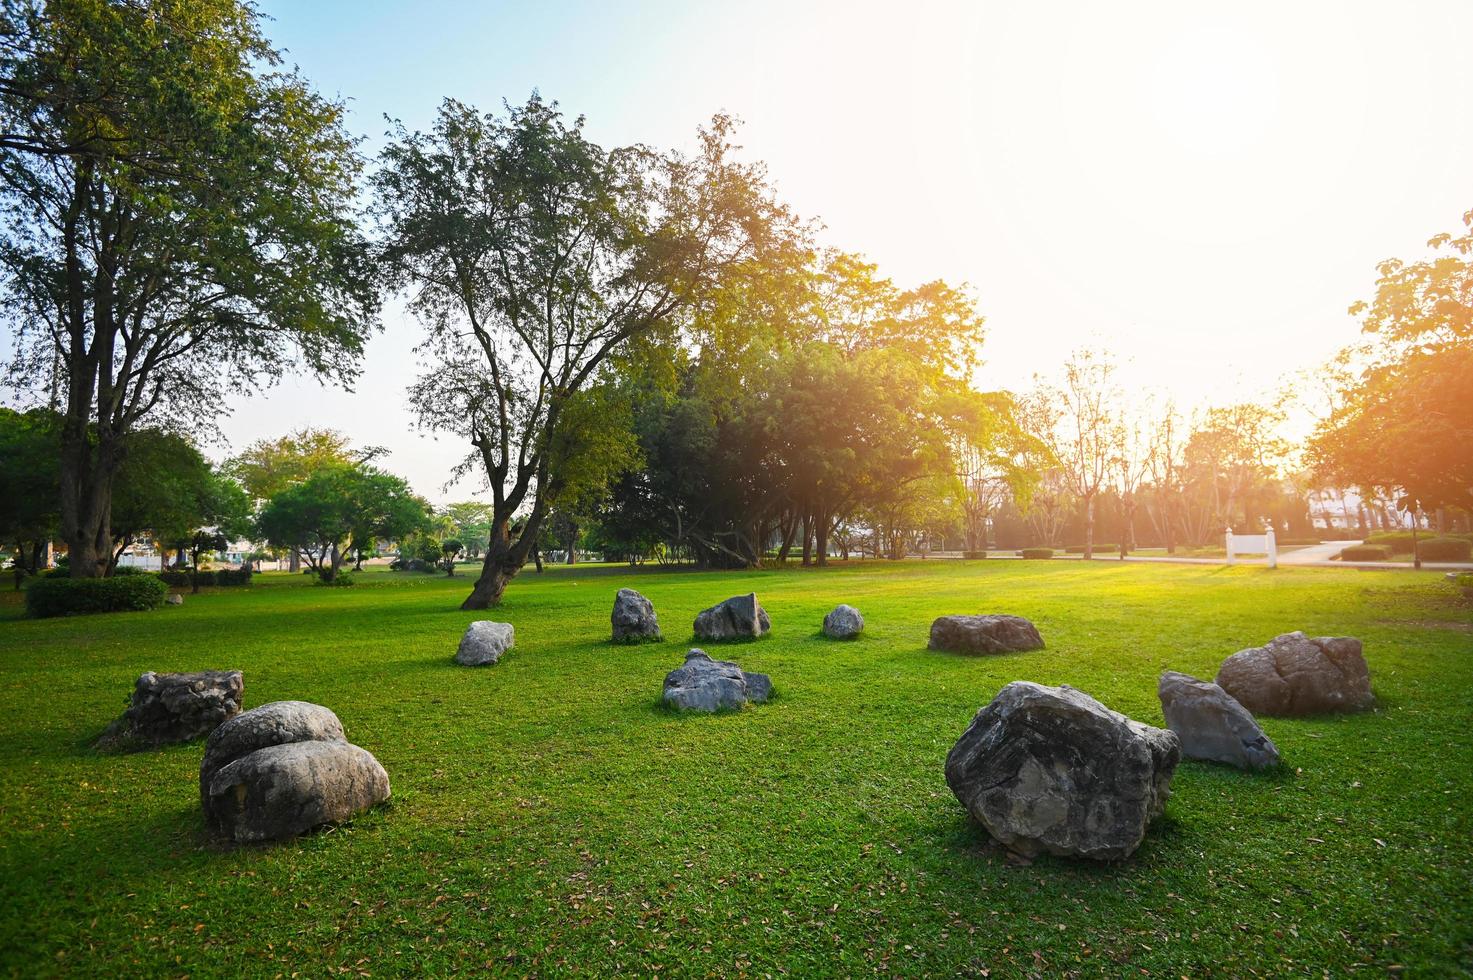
x: 549, y: 816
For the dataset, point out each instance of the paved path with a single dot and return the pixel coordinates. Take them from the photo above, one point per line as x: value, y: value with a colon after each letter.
x: 1311, y: 554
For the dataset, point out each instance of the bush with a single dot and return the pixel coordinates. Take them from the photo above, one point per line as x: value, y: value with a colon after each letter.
x: 1365, y: 552
x: 974, y: 554
x: 342, y: 578
x: 1078, y: 549
x: 1037, y: 552
x: 64, y: 596
x: 1445, y: 549
x: 60, y: 571
x: 128, y: 570
x: 222, y: 576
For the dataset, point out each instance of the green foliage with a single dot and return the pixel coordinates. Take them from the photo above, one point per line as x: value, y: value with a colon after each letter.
x: 65, y: 595
x: 1036, y: 553
x: 218, y: 576
x: 30, y: 479
x: 1445, y: 549
x: 1365, y: 552
x: 340, y: 579
x: 1078, y: 549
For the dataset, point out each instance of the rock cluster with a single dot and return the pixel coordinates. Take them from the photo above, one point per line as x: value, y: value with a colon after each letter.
x: 484, y: 642
x: 634, y: 619
x: 1294, y: 674
x: 738, y: 618
x: 1212, y: 725
x: 984, y: 634
x: 1050, y: 769
x: 282, y: 769
x: 844, y: 623
x: 703, y: 684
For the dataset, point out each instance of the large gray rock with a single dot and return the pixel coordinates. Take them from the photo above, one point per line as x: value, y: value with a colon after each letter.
x: 843, y: 623
x: 275, y: 723
x: 740, y: 617
x: 1294, y: 674
x: 1050, y: 769
x: 282, y: 769
x: 484, y: 642
x: 634, y: 619
x: 174, y: 599
x: 169, y: 708
x: 703, y: 684
x: 283, y: 790
x: 1212, y: 725
x: 984, y: 634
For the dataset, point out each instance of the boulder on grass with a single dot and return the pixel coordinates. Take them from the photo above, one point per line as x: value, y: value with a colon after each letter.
x: 1294, y: 674
x: 634, y: 619
x: 1212, y: 725
x: 738, y: 618
x: 174, y: 599
x: 703, y: 684
x: 844, y: 623
x: 284, y: 790
x: 170, y: 708
x: 1050, y: 769
x: 281, y: 769
x: 484, y: 642
x: 984, y: 634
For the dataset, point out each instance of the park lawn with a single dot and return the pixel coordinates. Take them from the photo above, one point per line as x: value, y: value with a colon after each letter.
x: 549, y: 816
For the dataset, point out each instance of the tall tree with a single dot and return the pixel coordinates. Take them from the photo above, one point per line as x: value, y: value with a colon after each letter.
x: 1082, y: 435
x: 30, y: 480
x: 177, y: 215
x: 535, y: 256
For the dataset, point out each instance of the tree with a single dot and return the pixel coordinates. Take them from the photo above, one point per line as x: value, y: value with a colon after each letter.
x: 222, y: 512
x: 1084, y: 438
x: 177, y: 212
x: 160, y: 490
x: 30, y: 513
x: 536, y: 256
x: 470, y: 521
x: 338, y: 504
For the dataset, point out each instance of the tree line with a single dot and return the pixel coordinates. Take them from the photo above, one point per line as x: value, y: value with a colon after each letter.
x: 644, y: 349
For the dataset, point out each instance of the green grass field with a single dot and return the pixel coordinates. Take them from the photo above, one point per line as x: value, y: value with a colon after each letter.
x: 550, y: 817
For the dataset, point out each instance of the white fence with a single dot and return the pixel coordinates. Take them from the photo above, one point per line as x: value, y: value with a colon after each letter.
x: 151, y: 563
x: 1252, y: 544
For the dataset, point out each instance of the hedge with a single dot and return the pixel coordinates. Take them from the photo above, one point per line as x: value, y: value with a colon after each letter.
x: 1037, y: 553
x: 1445, y: 549
x: 974, y: 554
x: 64, y: 596
x: 221, y: 576
x: 1365, y: 552
x: 1078, y: 549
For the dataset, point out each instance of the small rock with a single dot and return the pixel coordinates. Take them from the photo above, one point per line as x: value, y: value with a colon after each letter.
x: 1294, y: 674
x: 740, y: 617
x: 1050, y: 769
x: 175, y: 599
x: 844, y: 623
x: 284, y: 790
x: 170, y: 708
x: 984, y: 634
x: 484, y: 642
x: 634, y: 619
x: 1212, y: 725
x: 703, y: 684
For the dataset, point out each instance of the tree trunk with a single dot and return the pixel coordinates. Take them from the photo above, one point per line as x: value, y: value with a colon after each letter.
x: 1089, y: 528
x: 807, y: 531
x: 504, y: 559
x: 573, y: 546
x: 86, y: 500
x: 294, y: 564
x: 537, y: 557
x: 821, y: 529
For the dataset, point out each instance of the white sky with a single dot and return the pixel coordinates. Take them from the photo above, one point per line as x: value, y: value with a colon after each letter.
x: 1200, y: 188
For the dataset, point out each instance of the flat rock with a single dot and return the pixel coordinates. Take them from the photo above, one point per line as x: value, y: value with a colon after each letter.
x: 169, y: 708
x: 843, y: 623
x: 1294, y: 674
x: 174, y: 599
x: 740, y: 617
x: 484, y: 642
x: 703, y: 684
x: 283, y: 790
x: 1050, y: 769
x: 984, y: 634
x: 634, y: 619
x: 1212, y: 725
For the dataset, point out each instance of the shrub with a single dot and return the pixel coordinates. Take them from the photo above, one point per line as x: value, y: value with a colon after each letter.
x: 1445, y: 549
x: 342, y: 578
x: 222, y: 576
x: 1078, y: 549
x: 974, y: 554
x: 63, y: 596
x: 1037, y: 552
x: 1365, y: 552
x: 60, y: 571
x: 128, y: 570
